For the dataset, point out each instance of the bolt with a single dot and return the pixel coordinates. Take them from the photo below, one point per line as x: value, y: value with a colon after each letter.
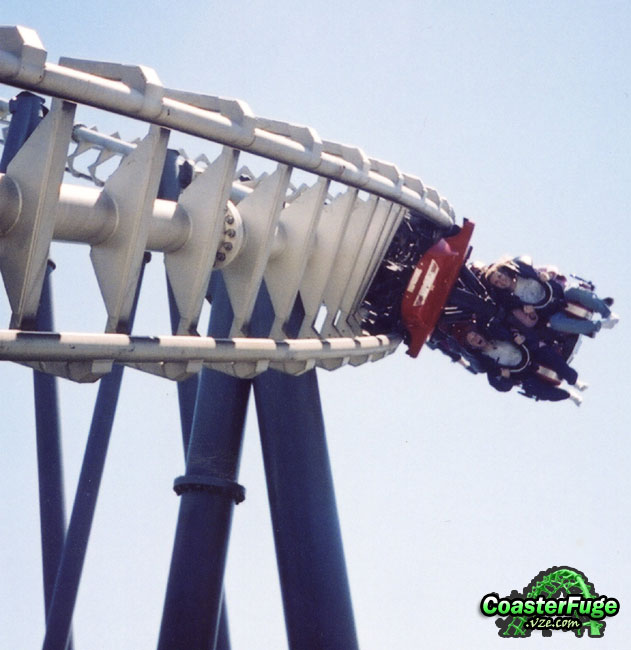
x: 227, y: 245
x: 231, y: 232
x: 220, y: 256
x: 229, y: 219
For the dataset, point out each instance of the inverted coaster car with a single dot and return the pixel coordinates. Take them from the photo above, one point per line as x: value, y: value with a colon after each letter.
x: 431, y: 284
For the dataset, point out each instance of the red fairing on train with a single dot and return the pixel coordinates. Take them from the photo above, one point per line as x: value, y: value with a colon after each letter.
x: 430, y: 285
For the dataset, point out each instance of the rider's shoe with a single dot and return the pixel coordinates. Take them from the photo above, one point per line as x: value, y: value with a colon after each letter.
x: 577, y: 399
x: 610, y: 322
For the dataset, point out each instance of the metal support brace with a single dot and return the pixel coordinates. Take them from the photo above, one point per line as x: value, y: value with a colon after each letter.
x: 26, y: 110
x: 347, y: 252
x: 189, y: 267
x: 170, y: 188
x: 64, y: 598
x: 329, y: 233
x: 27, y: 114
x: 284, y: 273
x: 261, y: 211
x: 187, y: 389
x: 372, y: 235
x: 36, y: 170
x: 394, y: 219
x: 49, y: 460
x: 309, y: 552
x: 117, y: 261
x: 194, y: 598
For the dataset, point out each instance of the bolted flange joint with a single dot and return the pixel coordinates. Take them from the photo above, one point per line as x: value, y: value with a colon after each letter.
x: 233, y: 237
x: 214, y: 485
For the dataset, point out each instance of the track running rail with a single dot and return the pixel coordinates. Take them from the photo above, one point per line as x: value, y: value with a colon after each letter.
x: 230, y: 122
x: 246, y: 356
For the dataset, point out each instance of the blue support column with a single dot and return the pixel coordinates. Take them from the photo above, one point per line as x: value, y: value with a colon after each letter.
x: 186, y: 389
x: 208, y: 493
x: 309, y: 552
x: 75, y: 547
x: 49, y: 459
x: 170, y: 187
x: 27, y: 111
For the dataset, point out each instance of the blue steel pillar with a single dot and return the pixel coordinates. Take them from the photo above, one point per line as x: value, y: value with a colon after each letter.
x: 309, y: 552
x: 170, y: 187
x: 208, y: 493
x: 186, y: 389
x: 71, y: 566
x: 49, y: 458
x: 27, y: 111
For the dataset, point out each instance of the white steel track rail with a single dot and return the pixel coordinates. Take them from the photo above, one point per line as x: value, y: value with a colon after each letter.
x: 250, y: 356
x: 303, y: 243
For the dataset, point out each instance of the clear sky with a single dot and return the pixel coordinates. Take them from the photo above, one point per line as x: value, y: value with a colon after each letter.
x: 518, y: 113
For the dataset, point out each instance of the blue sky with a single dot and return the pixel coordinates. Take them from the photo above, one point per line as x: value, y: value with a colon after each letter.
x: 518, y: 113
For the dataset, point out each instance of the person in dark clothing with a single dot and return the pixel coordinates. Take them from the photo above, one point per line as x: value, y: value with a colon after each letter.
x: 517, y: 284
x: 508, y: 364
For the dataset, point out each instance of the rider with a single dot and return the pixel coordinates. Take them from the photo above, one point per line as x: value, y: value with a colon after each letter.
x: 517, y: 284
x: 508, y: 364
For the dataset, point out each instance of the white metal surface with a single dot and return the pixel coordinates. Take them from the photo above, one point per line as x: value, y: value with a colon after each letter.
x: 370, y: 241
x: 347, y: 253
x: 135, y: 91
x: 261, y: 212
x: 189, y: 267
x: 117, y: 260
x: 302, y: 243
x: 328, y: 237
x: 36, y: 170
x: 285, y: 271
x: 45, y: 348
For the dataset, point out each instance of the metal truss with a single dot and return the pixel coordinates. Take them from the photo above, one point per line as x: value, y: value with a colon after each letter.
x: 305, y: 244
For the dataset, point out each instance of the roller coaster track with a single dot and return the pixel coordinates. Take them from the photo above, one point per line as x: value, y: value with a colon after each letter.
x: 290, y: 261
x: 308, y: 245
